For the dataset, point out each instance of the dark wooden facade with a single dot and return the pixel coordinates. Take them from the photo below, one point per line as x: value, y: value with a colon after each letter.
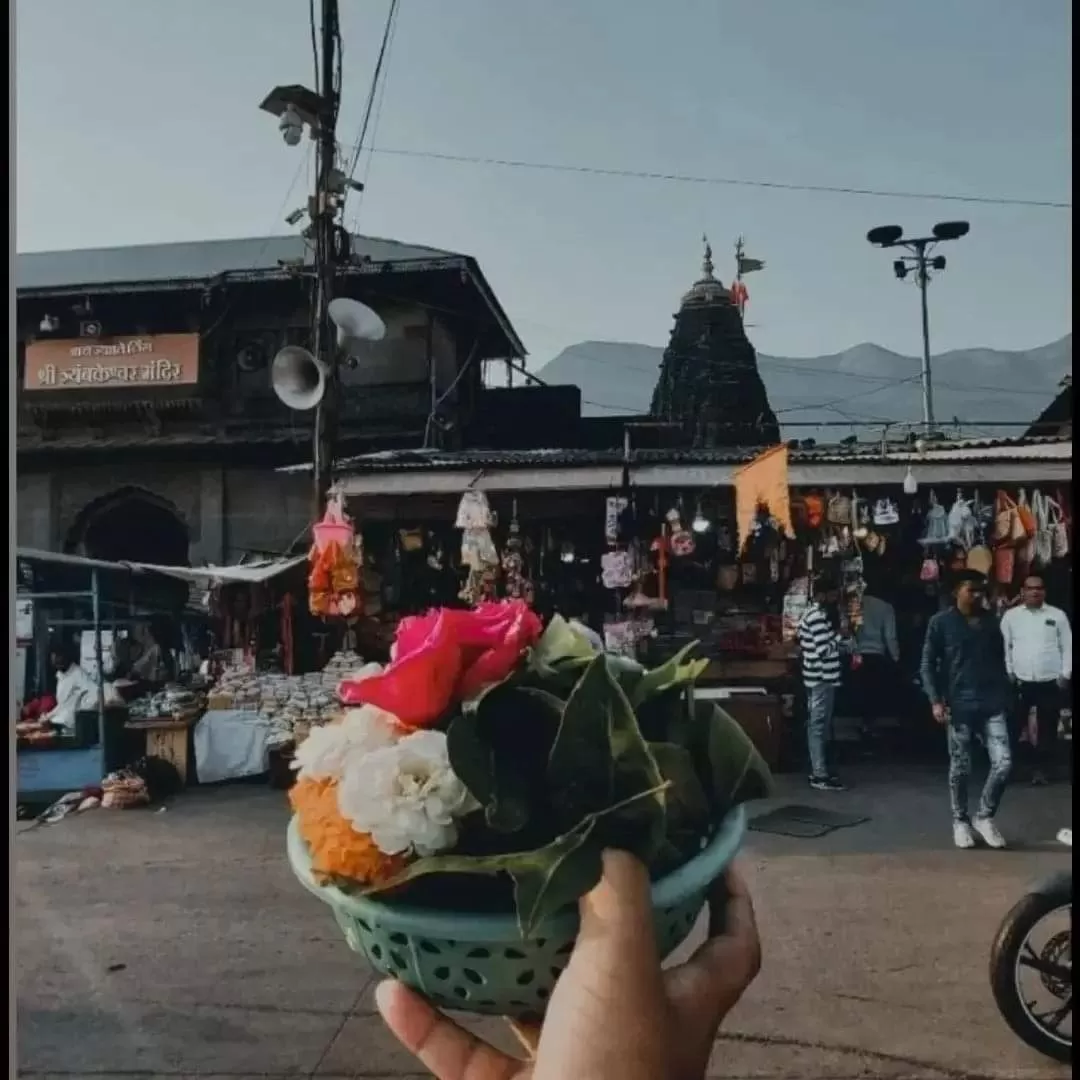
x: 113, y: 458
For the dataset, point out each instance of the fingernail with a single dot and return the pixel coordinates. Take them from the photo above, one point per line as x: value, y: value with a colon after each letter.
x: 384, y: 994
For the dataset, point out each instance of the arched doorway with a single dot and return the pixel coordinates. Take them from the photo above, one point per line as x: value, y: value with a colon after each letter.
x: 130, y: 525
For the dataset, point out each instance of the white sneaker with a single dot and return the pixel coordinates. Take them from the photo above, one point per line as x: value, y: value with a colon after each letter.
x: 986, y: 828
x: 963, y: 834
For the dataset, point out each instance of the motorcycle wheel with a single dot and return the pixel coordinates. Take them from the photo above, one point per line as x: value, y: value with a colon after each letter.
x: 1004, y: 968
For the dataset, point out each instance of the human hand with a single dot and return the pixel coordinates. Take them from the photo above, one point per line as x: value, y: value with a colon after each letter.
x: 613, y: 1012
x: 941, y: 713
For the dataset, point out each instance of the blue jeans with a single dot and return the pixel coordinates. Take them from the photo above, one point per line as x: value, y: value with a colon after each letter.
x: 820, y: 702
x: 995, y: 733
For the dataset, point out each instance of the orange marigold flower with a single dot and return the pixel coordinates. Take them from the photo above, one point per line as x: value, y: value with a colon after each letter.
x: 337, y: 849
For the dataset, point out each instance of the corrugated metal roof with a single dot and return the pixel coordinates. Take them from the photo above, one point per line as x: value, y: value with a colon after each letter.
x: 199, y: 260
x: 1033, y: 449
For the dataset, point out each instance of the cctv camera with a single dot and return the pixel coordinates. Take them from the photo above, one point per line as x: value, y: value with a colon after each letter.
x: 292, y: 126
x: 295, y: 217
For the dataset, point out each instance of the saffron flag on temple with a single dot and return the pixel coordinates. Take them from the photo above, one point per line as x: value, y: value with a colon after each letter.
x: 763, y: 482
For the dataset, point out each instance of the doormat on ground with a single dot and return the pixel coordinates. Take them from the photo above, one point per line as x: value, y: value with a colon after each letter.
x: 804, y: 822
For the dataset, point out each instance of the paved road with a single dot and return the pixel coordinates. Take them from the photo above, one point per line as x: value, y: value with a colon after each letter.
x: 175, y: 943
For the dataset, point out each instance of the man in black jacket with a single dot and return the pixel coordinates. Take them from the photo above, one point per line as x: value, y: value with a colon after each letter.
x: 963, y: 674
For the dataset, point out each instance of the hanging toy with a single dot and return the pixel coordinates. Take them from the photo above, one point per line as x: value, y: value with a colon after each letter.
x: 513, y: 561
x: 334, y: 574
x: 680, y: 539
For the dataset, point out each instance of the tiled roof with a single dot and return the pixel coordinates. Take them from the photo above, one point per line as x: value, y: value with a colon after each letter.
x: 1047, y: 448
x: 200, y: 260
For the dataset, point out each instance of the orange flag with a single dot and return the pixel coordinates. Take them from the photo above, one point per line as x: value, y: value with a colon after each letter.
x: 763, y: 482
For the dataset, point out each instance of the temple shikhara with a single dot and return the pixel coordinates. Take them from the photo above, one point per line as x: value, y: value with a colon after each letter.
x: 709, y: 380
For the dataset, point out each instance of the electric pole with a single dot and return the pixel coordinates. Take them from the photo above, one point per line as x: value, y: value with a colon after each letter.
x: 299, y: 108
x: 892, y: 236
x: 324, y: 222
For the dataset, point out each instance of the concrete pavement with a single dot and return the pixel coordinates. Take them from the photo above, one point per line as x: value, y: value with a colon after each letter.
x: 176, y: 943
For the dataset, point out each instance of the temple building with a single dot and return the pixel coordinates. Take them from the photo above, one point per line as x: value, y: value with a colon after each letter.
x: 709, y: 380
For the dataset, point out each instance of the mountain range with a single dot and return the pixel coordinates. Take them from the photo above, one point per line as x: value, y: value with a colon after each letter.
x: 858, y: 391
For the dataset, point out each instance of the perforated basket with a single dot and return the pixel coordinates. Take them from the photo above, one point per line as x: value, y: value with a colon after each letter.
x: 481, y: 963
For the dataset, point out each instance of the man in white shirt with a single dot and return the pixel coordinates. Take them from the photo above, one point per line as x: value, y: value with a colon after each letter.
x: 1038, y: 659
x: 75, y: 691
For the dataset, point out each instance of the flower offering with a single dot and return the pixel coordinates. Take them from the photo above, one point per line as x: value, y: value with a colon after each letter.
x: 487, y: 766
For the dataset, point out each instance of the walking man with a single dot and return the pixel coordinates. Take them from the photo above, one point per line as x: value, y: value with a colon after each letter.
x: 820, y: 644
x: 1038, y: 660
x: 963, y: 675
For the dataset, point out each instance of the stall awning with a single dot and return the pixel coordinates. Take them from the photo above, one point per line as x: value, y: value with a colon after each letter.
x: 976, y: 461
x: 251, y: 573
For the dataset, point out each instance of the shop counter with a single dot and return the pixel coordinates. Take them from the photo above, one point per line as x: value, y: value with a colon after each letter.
x: 756, y: 711
x: 167, y: 738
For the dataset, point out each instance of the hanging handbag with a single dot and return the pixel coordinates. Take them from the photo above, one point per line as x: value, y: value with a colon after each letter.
x: 1044, y: 536
x: 1004, y: 564
x: 1025, y: 516
x: 838, y: 510
x: 1059, y: 530
x: 1004, y: 519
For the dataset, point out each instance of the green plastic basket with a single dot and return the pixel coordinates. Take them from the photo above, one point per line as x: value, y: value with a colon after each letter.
x: 481, y: 963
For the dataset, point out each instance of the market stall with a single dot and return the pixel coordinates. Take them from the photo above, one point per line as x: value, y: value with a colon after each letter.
x: 83, y: 606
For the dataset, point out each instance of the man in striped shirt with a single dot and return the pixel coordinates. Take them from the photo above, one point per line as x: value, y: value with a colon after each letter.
x: 820, y: 647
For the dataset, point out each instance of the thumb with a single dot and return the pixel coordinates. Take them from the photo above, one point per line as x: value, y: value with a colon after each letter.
x: 608, y: 1010
x: 615, y: 953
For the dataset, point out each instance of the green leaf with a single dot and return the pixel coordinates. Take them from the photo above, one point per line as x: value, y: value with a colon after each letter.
x: 734, y: 771
x: 545, y: 880
x: 499, y: 748
x: 559, y: 643
x: 687, y: 802
x: 679, y: 671
x: 600, y: 759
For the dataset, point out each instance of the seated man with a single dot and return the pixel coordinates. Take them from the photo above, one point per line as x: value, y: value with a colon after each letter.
x: 75, y: 691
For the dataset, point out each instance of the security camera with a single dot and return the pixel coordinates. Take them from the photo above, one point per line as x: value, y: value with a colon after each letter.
x: 296, y: 216
x: 291, y: 126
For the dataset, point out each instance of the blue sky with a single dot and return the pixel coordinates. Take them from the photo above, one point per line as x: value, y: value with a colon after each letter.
x: 138, y: 121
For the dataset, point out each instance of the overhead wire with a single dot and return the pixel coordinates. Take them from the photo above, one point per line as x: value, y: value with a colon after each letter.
x: 722, y: 181
x: 374, y: 130
x: 369, y: 105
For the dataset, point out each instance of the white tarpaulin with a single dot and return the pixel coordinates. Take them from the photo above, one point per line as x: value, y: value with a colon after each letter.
x: 252, y: 573
x: 231, y: 744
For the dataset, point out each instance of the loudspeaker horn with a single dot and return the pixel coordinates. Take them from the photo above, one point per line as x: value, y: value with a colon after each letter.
x: 357, y: 325
x: 298, y: 379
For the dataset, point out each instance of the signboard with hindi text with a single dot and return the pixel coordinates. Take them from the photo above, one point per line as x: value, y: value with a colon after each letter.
x: 143, y: 361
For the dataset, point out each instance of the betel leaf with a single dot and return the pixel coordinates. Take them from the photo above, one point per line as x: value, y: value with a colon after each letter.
x: 560, y: 643
x: 687, y: 802
x: 546, y: 880
x: 600, y: 759
x: 499, y: 747
x: 732, y: 769
x: 680, y: 671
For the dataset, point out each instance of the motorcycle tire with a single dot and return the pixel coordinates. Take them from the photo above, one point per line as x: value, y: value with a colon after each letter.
x: 1003, y: 959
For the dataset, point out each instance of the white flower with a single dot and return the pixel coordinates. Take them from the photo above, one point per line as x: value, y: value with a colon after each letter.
x: 328, y: 750
x: 406, y: 796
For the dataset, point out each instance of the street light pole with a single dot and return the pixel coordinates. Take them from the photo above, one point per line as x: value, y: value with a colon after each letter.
x: 892, y: 236
x: 923, y: 278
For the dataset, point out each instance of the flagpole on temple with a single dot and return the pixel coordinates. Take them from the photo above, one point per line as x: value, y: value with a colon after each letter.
x: 739, y: 252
